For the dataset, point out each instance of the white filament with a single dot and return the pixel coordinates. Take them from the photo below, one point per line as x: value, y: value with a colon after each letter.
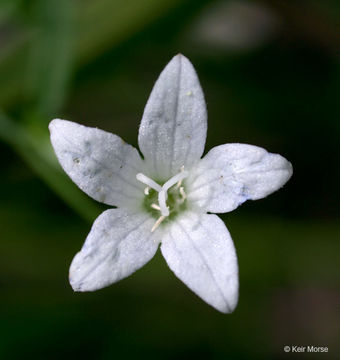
x: 179, y: 184
x: 157, y: 223
x: 182, y: 192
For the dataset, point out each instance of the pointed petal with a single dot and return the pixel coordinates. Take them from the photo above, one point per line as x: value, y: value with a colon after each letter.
x: 174, y: 125
x: 100, y: 163
x: 199, y: 250
x: 119, y: 243
x: 233, y: 173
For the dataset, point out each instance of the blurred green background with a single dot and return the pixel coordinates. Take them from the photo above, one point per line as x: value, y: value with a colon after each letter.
x: 270, y: 71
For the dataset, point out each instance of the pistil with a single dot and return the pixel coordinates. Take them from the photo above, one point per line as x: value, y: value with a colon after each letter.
x: 149, y: 182
x: 163, y: 193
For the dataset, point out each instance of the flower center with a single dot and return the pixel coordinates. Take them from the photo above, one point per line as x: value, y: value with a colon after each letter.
x: 166, y: 200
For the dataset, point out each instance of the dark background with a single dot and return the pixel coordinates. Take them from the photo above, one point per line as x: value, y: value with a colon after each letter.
x: 271, y: 76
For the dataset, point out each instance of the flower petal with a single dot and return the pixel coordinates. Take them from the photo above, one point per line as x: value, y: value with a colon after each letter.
x: 199, y: 250
x: 119, y: 243
x: 100, y: 163
x: 174, y: 125
x: 233, y: 173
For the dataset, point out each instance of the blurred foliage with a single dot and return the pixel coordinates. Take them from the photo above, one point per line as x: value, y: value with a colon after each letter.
x: 271, y: 75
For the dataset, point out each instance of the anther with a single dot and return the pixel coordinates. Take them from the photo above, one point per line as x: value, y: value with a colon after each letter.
x: 156, y: 207
x: 146, y: 190
x: 157, y: 223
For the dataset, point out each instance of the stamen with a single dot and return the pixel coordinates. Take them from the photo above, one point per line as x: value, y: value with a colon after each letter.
x: 146, y: 190
x: 157, y: 223
x: 156, y: 207
x: 183, y: 195
x: 147, y: 181
x: 180, y: 182
x: 182, y: 192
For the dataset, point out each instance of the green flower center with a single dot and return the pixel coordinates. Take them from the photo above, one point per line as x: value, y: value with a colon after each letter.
x: 164, y: 202
x: 175, y: 201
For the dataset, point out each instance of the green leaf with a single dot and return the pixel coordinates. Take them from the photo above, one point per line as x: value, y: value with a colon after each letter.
x: 51, y: 55
x: 38, y: 155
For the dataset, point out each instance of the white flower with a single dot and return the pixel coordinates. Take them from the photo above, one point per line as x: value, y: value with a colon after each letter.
x: 164, y: 198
